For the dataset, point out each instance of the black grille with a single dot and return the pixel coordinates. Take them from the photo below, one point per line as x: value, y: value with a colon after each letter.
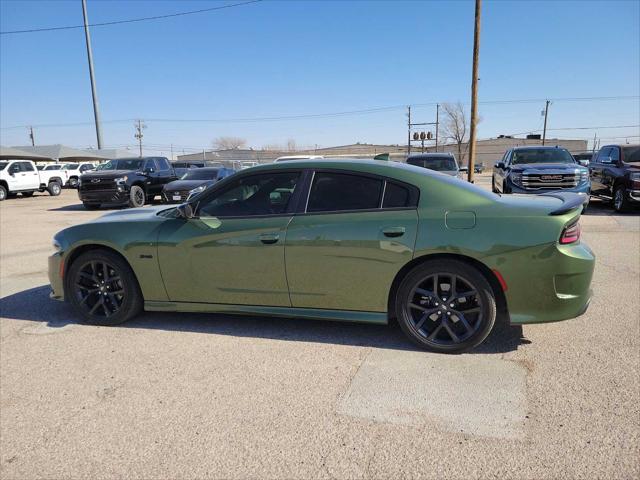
x: 101, y: 184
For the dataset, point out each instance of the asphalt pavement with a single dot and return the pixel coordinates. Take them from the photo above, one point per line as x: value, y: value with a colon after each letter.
x: 217, y: 396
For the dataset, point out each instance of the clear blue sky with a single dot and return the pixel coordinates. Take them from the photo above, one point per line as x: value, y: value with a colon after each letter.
x: 288, y: 58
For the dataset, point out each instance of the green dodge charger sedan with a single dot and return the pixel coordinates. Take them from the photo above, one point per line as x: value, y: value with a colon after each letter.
x: 350, y: 240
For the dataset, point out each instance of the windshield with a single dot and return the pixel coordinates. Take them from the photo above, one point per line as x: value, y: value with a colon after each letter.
x: 631, y: 154
x: 439, y: 164
x: 201, y: 174
x: 70, y: 166
x: 541, y: 155
x: 3, y: 165
x: 124, y: 164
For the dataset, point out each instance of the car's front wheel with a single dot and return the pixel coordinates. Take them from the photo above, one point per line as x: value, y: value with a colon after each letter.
x: 3, y: 193
x: 103, y: 289
x: 73, y: 182
x: 137, y: 196
x: 445, y: 306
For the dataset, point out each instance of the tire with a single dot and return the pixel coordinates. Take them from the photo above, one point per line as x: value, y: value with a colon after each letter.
x: 73, y: 182
x: 54, y: 189
x: 620, y: 199
x: 101, y: 298
x: 429, y: 320
x: 27, y: 194
x: 3, y: 193
x: 91, y: 206
x: 137, y: 197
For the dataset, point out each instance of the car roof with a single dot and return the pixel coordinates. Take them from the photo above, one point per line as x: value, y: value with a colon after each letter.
x: 431, y: 155
x: 538, y: 147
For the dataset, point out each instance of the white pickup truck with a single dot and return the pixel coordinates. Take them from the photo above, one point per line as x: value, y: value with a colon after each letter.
x: 22, y: 176
x: 73, y: 172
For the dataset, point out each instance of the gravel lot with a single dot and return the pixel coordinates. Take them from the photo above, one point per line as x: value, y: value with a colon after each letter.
x: 212, y: 396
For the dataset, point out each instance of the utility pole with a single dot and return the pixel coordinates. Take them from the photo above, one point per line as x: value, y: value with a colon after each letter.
x: 437, y: 124
x: 32, y: 137
x: 595, y: 136
x: 139, y: 127
x: 409, y: 131
x: 544, y: 130
x: 474, y: 93
x: 94, y: 93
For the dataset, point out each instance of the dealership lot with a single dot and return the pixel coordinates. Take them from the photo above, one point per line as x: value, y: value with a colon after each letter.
x: 195, y: 396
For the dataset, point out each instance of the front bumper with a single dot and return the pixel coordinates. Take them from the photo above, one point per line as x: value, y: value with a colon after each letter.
x: 581, y: 188
x: 56, y: 276
x: 112, y: 197
x: 547, y: 283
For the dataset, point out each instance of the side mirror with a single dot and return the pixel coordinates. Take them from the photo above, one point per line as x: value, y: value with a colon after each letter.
x: 185, y: 210
x: 500, y: 165
x: 584, y: 163
x: 464, y: 169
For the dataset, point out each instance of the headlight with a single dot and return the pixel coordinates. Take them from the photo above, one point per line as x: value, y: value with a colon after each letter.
x: 197, y: 190
x: 516, y: 177
x: 121, y: 179
x: 56, y: 245
x: 584, y: 176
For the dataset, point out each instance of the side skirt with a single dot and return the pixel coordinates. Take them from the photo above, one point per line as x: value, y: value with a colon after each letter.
x: 379, y: 318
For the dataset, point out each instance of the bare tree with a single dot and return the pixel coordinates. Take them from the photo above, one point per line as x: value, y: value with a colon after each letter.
x: 455, y: 127
x: 229, y: 143
x: 291, y: 145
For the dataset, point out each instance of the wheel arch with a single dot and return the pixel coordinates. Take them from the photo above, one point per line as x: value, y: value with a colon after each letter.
x: 490, y: 276
x: 79, y: 250
x: 55, y: 179
x: 5, y: 185
x: 139, y: 183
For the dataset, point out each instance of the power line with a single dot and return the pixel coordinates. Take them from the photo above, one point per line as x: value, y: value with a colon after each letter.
x: 330, y: 114
x: 131, y: 20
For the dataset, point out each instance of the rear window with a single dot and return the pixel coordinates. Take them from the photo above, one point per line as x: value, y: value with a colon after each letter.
x: 332, y: 192
x: 201, y: 174
x: 396, y: 196
x: 439, y: 164
x: 631, y: 154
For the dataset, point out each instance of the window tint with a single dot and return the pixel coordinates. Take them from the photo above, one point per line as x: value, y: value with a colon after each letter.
x: 266, y: 194
x: 631, y: 154
x: 163, y: 164
x: 333, y: 192
x: 604, y: 153
x: 150, y: 163
x: 27, y: 167
x: 396, y: 196
x: 615, y: 154
x: 418, y: 162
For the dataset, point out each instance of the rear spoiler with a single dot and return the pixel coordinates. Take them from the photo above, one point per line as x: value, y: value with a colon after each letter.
x: 570, y: 201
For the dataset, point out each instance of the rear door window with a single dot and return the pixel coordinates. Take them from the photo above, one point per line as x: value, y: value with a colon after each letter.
x: 334, y: 192
x: 399, y: 196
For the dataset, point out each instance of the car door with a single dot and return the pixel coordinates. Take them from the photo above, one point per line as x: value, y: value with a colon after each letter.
x: 499, y: 173
x: 165, y: 173
x: 233, y: 252
x: 611, y: 170
x: 344, y: 250
x: 29, y: 176
x: 596, y: 169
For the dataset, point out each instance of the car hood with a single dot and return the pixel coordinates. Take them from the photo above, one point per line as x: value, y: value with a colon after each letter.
x: 179, y: 185
x: 106, y: 174
x: 547, y: 167
x: 133, y: 215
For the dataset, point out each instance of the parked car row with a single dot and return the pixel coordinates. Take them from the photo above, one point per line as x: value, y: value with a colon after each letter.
x: 22, y: 176
x: 612, y: 173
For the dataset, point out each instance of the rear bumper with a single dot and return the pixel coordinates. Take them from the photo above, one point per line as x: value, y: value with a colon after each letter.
x: 548, y: 283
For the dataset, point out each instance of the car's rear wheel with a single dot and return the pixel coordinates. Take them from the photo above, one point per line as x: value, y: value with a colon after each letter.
x: 3, y: 193
x: 54, y: 189
x: 136, y: 196
x: 620, y: 199
x: 91, y: 206
x: 103, y: 289
x: 445, y: 306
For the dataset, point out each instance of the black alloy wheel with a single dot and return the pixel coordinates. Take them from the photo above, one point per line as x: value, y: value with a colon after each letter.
x: 446, y: 306
x: 137, y: 196
x: 103, y: 289
x: 620, y: 202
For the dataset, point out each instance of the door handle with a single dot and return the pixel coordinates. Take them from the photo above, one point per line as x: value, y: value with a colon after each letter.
x: 269, y: 238
x: 393, y: 231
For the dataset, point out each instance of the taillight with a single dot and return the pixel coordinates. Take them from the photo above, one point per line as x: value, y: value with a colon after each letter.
x: 570, y: 234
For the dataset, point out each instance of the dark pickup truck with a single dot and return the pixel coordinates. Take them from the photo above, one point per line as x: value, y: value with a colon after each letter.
x: 615, y: 175
x: 125, y: 181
